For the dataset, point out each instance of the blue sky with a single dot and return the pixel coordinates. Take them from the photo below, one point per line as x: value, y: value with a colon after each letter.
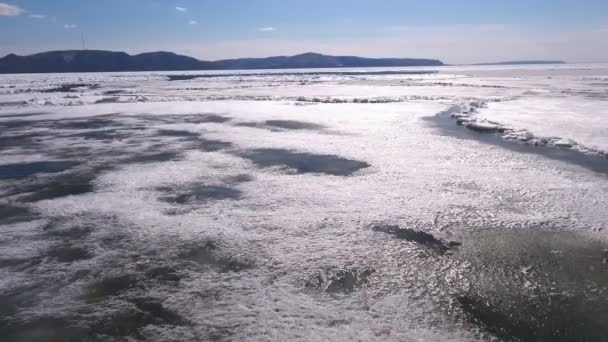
x: 464, y: 31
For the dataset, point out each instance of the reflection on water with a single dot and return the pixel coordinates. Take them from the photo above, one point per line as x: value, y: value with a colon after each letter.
x: 538, y: 285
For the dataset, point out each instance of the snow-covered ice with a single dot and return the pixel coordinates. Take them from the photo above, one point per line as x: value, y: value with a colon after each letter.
x: 304, y: 205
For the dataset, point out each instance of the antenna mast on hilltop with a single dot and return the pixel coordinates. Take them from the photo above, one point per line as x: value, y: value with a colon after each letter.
x: 82, y: 36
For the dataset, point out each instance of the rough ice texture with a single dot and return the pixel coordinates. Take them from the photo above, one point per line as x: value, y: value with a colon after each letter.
x: 578, y: 118
x: 244, y: 207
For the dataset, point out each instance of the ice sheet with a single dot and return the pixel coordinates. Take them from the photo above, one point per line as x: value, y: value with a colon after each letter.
x: 294, y: 206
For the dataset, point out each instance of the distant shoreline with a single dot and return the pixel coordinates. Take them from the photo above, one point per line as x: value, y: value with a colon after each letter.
x: 540, y: 62
x: 110, y: 61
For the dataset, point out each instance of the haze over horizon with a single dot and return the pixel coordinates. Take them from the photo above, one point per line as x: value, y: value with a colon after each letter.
x: 469, y: 31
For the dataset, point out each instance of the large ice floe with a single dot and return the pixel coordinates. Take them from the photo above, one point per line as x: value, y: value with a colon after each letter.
x: 442, y: 204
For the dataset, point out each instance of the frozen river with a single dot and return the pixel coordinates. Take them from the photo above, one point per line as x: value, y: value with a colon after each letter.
x: 422, y: 204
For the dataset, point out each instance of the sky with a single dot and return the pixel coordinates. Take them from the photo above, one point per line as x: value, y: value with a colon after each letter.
x: 455, y: 31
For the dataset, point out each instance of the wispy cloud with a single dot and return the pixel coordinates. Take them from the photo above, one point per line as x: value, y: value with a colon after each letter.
x: 10, y: 10
x: 193, y: 22
x: 37, y: 16
x: 181, y: 9
x: 266, y: 29
x: 70, y: 26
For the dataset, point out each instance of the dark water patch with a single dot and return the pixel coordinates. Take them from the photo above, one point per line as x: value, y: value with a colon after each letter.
x: 196, y: 141
x: 110, y: 286
x: 293, y: 124
x: 275, y: 125
x: 110, y: 99
x: 339, y: 280
x: 243, y: 178
x: 200, y: 193
x: 73, y: 152
x: 98, y: 122
x: 158, y: 157
x: 210, y: 145
x: 69, y: 185
x: 128, y: 322
x: 120, y: 325
x: 12, y: 103
x: 202, y: 254
x: 69, y: 253
x: 10, y: 214
x: 19, y: 115
x: 18, y: 133
x: 67, y: 232
x: 220, y: 333
x: 208, y: 254
x: 26, y: 141
x: 236, y: 264
x: 593, y: 94
x: 559, y: 319
x: 596, y: 95
x: 91, y: 123
x: 20, y: 264
x: 157, y: 312
x: 304, y: 162
x: 124, y: 323
x: 537, y: 285
x: 250, y: 124
x: 163, y: 273
x: 42, y: 329
x: 102, y: 135
x: 205, y: 118
x: 177, y: 211
x: 178, y: 133
x: 69, y: 87
x: 23, y: 170
x: 17, y: 124
x: 448, y: 126
x: 187, y: 118
x: 422, y: 238
x: 16, y: 298
x: 101, y: 158
x: 182, y: 77
x: 113, y: 92
x: 80, y: 274
x: 337, y: 323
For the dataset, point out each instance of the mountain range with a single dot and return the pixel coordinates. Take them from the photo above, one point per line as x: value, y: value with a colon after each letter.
x: 107, y: 61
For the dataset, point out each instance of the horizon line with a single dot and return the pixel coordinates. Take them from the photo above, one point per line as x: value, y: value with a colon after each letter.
x: 530, y: 60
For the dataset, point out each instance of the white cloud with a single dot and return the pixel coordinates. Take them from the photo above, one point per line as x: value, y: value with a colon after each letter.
x: 37, y: 16
x: 70, y: 26
x: 10, y: 10
x: 193, y: 22
x: 181, y: 9
x: 266, y: 29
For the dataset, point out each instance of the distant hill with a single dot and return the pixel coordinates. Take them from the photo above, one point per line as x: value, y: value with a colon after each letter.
x: 105, y: 61
x: 522, y: 63
x: 98, y: 61
x: 315, y: 60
